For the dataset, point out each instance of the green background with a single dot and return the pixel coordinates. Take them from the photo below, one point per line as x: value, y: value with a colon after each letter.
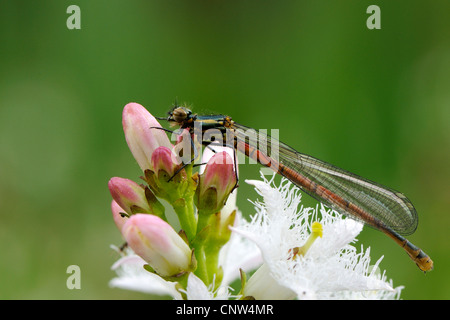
x: 375, y: 102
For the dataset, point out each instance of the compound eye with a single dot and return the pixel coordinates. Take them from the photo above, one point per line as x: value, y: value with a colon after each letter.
x: 179, y: 115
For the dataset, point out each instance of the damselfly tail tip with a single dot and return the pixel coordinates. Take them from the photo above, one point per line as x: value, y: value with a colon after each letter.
x: 425, y: 264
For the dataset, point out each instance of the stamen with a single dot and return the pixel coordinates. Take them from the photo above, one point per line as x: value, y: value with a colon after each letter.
x: 316, y: 231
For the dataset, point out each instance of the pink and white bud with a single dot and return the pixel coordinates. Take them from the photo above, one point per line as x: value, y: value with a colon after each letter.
x: 163, y: 159
x: 215, y: 183
x: 155, y: 241
x: 129, y: 195
x: 141, y: 138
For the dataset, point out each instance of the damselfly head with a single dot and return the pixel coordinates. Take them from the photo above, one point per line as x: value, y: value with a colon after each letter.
x: 180, y: 115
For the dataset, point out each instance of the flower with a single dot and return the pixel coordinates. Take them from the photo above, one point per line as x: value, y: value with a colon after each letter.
x: 166, y: 179
x: 197, y: 290
x: 162, y: 161
x: 155, y: 241
x: 131, y: 275
x: 238, y: 253
x: 141, y: 135
x: 215, y: 183
x: 133, y: 198
x: 328, y: 266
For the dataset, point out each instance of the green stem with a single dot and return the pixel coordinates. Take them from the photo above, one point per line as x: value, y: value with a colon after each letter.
x: 203, y: 221
x: 212, y: 261
x: 202, y: 269
x: 186, y: 216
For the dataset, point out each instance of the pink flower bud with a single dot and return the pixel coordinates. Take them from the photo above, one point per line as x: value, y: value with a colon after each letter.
x: 163, y: 159
x: 155, y: 241
x: 133, y: 198
x: 216, y: 183
x: 129, y: 195
x: 141, y: 138
x: 230, y: 205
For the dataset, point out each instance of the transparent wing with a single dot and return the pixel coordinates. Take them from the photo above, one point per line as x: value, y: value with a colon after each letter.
x: 387, y: 205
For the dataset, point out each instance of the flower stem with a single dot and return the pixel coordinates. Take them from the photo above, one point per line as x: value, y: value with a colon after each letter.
x: 212, y: 254
x: 202, y: 268
x: 184, y: 209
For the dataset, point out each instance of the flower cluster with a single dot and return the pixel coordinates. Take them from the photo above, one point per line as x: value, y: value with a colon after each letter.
x: 298, y: 253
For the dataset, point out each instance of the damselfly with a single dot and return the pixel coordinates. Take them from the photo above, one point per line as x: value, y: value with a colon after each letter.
x: 375, y: 205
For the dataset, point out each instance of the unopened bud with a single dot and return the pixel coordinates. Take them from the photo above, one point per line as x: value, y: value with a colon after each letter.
x: 155, y: 241
x: 142, y: 137
x: 215, y: 184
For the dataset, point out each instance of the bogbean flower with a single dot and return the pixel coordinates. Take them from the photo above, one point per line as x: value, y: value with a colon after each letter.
x: 304, y: 258
x: 172, y: 255
x: 131, y: 275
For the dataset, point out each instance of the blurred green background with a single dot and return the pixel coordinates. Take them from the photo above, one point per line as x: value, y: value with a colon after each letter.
x: 375, y: 102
